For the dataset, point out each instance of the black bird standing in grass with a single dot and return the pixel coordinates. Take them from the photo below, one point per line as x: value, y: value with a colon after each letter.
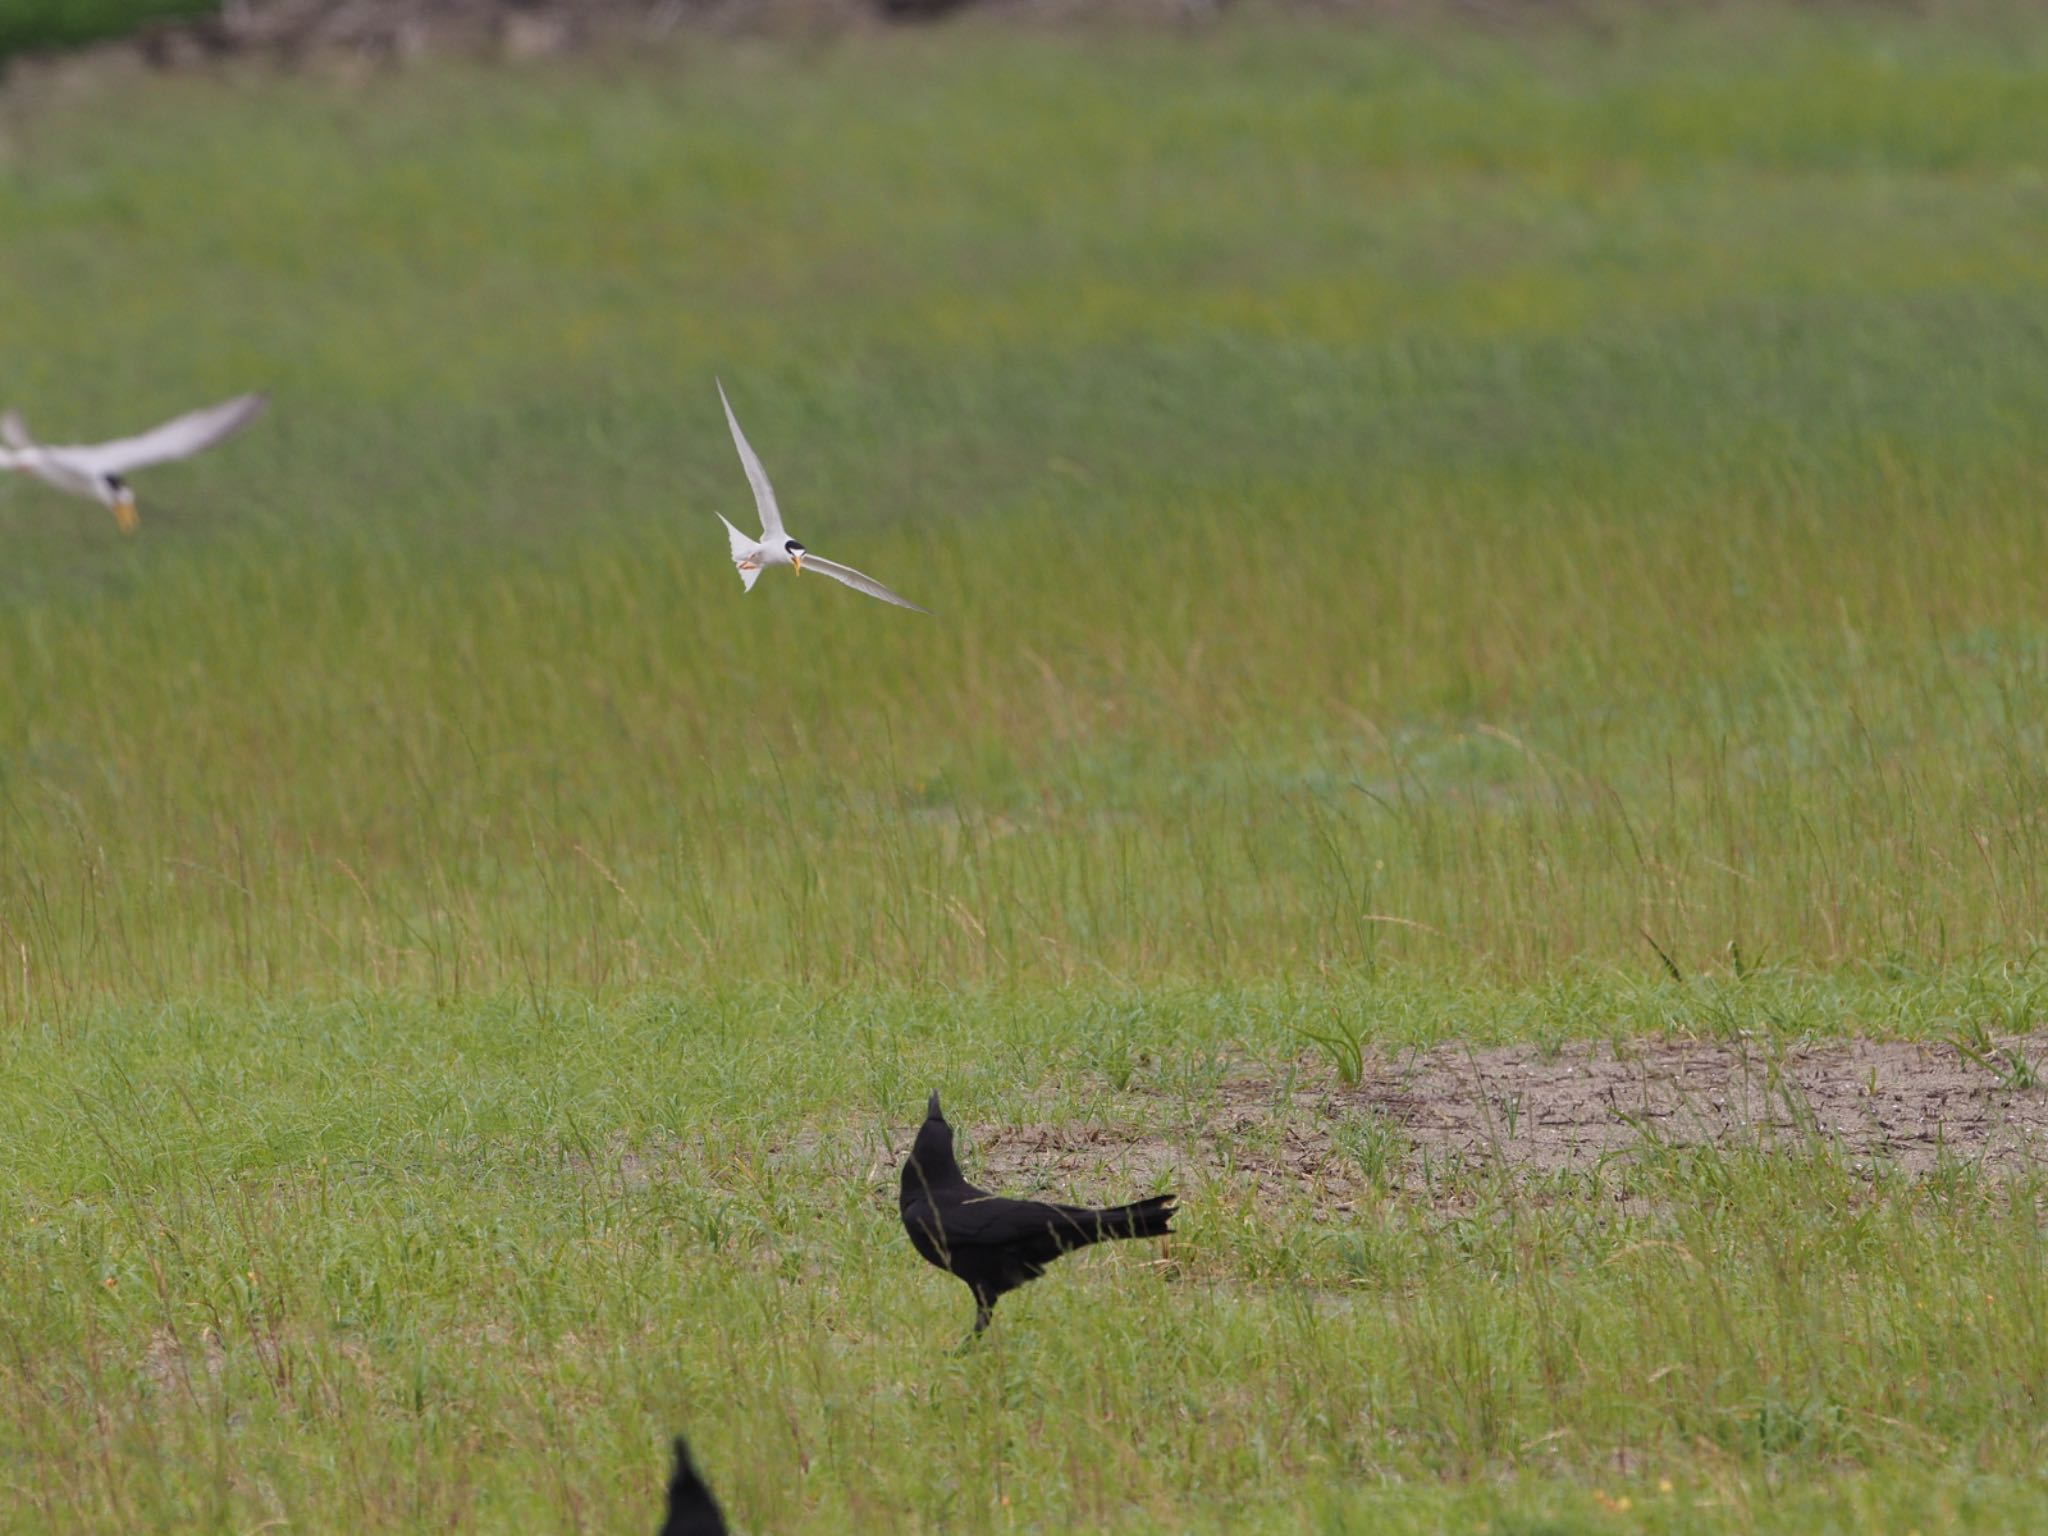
x: 691, y: 1509
x: 994, y: 1244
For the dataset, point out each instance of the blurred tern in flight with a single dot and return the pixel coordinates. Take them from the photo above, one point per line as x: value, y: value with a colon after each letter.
x: 96, y: 470
x: 775, y: 546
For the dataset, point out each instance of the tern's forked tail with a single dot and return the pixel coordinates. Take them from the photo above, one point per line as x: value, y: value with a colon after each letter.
x: 746, y: 555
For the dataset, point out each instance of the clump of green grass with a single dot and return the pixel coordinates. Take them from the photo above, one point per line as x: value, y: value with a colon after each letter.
x: 2010, y: 1064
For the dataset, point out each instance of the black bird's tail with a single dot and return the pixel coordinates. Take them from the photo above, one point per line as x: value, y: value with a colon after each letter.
x: 1141, y: 1218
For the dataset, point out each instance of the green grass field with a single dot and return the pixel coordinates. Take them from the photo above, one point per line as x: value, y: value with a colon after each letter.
x: 1427, y: 525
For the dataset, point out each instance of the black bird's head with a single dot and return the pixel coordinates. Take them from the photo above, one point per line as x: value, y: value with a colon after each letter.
x: 931, y: 1159
x: 936, y: 1132
x: 796, y: 554
x: 691, y: 1509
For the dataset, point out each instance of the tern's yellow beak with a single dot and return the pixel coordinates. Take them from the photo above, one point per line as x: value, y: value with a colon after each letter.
x: 796, y: 560
x: 125, y: 514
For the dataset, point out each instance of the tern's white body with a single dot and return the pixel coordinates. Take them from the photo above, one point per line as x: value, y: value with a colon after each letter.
x: 752, y: 556
x: 95, y: 470
x: 775, y: 547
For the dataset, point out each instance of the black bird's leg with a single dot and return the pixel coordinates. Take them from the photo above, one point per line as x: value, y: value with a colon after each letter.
x: 984, y: 1314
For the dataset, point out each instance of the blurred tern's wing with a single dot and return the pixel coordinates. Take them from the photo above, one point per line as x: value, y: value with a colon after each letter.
x: 53, y: 470
x: 858, y: 582
x: 176, y: 439
x: 14, y: 431
x: 757, y: 477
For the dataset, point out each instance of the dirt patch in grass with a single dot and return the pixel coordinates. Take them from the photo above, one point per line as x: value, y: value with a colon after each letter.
x: 1413, y: 1118
x: 1908, y: 1102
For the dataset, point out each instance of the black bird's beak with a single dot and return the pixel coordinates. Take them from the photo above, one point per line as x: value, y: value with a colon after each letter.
x: 931, y: 1110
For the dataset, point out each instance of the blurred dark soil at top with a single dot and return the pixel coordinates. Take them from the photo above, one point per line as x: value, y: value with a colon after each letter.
x: 313, y: 31
x: 324, y: 32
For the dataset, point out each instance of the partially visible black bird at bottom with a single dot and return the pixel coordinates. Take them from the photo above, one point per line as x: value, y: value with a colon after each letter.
x: 691, y: 1509
x: 994, y: 1244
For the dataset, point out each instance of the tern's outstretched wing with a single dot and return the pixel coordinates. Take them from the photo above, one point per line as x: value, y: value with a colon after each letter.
x: 175, y: 439
x: 757, y: 477
x: 54, y: 470
x: 14, y: 431
x: 858, y: 582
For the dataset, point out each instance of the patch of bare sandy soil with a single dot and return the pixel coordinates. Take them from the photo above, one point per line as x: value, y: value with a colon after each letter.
x: 1584, y: 1109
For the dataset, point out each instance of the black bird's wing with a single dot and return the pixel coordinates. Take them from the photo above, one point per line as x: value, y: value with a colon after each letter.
x: 1031, y: 1233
